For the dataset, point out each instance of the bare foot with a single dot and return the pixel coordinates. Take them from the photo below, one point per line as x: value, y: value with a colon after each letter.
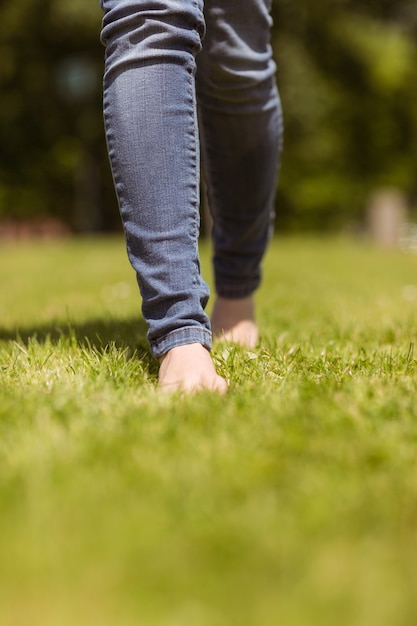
x: 234, y: 320
x: 189, y: 369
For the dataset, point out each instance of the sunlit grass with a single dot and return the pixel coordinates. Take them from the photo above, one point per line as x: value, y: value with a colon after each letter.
x: 292, y: 500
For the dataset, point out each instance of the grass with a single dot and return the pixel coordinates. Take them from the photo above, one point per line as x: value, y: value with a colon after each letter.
x: 292, y: 500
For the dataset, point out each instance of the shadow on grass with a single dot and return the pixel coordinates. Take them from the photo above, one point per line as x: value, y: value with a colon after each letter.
x: 96, y: 334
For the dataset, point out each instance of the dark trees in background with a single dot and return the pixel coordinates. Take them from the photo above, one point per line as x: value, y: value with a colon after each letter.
x: 348, y: 78
x: 53, y: 160
x: 347, y: 72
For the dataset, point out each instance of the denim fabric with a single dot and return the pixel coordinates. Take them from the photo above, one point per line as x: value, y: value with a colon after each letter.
x: 179, y: 72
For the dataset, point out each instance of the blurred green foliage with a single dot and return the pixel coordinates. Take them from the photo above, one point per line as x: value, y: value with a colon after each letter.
x: 348, y: 81
x: 347, y: 72
x: 53, y: 159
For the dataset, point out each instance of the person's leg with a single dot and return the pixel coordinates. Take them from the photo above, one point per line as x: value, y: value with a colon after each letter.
x: 241, y: 129
x: 152, y: 137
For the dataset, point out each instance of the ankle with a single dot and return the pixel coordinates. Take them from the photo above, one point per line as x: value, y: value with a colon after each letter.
x: 234, y: 320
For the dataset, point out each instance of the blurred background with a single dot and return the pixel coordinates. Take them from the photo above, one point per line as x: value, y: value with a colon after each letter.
x: 347, y: 73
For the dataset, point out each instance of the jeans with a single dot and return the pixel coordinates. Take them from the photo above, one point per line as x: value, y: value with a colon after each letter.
x: 180, y: 74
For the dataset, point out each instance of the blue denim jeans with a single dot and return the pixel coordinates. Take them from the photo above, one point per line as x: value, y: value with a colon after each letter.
x: 180, y: 74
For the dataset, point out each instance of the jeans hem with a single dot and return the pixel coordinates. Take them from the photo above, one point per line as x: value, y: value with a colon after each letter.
x: 232, y: 292
x: 181, y: 337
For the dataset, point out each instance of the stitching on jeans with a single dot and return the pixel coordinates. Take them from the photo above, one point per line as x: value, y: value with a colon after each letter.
x: 180, y: 331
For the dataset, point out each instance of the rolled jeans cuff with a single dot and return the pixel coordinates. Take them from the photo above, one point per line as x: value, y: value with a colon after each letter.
x: 181, y: 337
x: 235, y: 291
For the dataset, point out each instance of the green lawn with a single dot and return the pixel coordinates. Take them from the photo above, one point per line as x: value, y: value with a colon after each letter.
x: 292, y: 500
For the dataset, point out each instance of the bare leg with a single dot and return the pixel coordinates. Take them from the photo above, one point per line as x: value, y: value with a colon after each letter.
x: 189, y: 368
x: 234, y: 320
